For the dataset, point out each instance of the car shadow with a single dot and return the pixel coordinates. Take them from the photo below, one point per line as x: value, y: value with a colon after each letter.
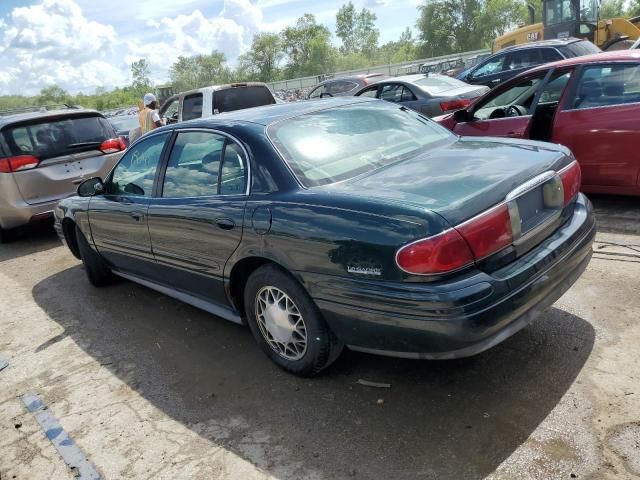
x: 617, y: 214
x: 440, y: 419
x: 27, y: 240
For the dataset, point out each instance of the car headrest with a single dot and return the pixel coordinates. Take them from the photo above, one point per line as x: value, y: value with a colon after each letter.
x: 613, y: 86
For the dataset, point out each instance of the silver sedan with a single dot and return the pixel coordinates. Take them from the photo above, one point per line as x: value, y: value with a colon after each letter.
x: 429, y: 94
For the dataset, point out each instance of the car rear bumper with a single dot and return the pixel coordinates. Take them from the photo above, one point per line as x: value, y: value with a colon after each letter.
x: 14, y: 211
x: 461, y: 317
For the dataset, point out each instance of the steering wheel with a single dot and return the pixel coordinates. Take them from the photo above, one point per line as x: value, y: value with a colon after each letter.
x: 515, y: 111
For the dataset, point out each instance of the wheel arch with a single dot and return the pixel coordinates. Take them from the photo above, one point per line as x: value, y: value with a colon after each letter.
x: 69, y: 232
x: 242, y: 270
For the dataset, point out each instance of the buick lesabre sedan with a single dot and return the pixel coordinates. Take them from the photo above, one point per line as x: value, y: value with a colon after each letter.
x: 341, y: 222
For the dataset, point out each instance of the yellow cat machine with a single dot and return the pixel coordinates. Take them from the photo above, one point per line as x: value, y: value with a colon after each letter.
x: 574, y: 18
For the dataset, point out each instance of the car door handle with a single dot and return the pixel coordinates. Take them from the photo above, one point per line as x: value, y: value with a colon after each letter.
x: 225, y: 223
x: 137, y: 216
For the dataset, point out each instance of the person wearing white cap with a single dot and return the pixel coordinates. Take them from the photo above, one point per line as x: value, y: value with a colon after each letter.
x: 149, y: 116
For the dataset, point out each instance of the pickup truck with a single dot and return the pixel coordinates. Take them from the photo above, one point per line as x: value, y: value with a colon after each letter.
x: 208, y: 101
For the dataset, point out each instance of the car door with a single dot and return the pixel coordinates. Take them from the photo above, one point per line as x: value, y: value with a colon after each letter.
x: 505, y: 112
x: 118, y: 218
x: 599, y: 123
x: 195, y: 222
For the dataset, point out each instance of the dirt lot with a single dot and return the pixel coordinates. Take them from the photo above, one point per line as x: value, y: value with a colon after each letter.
x: 151, y: 388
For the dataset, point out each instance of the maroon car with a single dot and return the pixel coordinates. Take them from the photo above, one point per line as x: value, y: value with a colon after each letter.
x: 591, y: 104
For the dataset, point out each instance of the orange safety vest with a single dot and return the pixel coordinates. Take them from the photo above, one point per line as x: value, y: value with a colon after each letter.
x: 146, y: 122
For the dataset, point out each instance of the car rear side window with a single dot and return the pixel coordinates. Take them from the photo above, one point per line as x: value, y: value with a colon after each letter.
x: 237, y: 98
x: 578, y: 49
x: 396, y: 93
x: 194, y: 165
x: 192, y: 107
x: 49, y: 138
x: 606, y: 85
x: 337, y: 144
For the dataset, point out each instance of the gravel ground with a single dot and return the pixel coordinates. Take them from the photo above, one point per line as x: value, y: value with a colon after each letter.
x: 149, y: 387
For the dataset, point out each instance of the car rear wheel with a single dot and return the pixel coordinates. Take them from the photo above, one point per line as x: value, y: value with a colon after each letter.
x: 98, y: 272
x: 287, y: 324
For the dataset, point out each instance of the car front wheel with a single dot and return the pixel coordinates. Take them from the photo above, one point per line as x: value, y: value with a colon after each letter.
x: 287, y: 324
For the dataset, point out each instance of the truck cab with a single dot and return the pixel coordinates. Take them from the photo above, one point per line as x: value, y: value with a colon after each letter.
x: 208, y: 101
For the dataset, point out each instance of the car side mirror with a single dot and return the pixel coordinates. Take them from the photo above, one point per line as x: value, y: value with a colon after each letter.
x: 91, y: 187
x: 461, y: 116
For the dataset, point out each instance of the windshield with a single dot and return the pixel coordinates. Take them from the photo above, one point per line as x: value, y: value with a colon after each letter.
x: 340, y: 143
x: 56, y: 137
x: 127, y: 122
x: 438, y: 84
x: 560, y: 11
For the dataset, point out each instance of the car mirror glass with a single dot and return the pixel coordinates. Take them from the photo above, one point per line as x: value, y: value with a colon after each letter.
x: 91, y: 187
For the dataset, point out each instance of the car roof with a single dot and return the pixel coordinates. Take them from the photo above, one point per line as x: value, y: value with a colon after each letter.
x: 553, y: 42
x: 26, y: 116
x: 616, y: 55
x: 268, y: 114
x: 221, y: 87
x: 411, y: 78
x: 361, y: 76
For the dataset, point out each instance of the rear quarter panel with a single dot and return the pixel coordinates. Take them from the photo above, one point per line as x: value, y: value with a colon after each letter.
x: 316, y: 234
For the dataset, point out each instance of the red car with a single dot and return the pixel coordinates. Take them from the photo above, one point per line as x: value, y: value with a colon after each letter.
x: 591, y: 104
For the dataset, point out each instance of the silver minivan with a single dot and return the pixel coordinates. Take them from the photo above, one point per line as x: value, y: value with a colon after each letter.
x: 44, y: 155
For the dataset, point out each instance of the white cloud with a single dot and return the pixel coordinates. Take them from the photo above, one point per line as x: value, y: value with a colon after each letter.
x: 230, y: 32
x: 52, y: 42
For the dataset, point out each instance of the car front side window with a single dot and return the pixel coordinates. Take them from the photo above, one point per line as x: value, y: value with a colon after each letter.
x: 136, y: 171
x: 521, y: 94
x: 492, y: 66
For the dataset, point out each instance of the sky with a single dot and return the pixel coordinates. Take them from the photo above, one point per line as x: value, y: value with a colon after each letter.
x: 84, y: 44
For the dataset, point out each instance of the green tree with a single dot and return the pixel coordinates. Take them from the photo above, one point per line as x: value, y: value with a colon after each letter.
x: 500, y: 16
x: 634, y: 8
x: 141, y: 72
x: 357, y: 30
x: 262, y: 60
x: 308, y: 48
x: 612, y: 8
x: 199, y: 71
x: 399, y: 51
x: 53, y: 94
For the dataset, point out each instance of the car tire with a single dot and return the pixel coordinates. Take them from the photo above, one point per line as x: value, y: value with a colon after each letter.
x: 98, y: 272
x: 301, y: 342
x: 3, y: 235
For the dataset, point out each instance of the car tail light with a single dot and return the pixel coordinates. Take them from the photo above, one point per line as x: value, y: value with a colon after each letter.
x: 571, y: 177
x: 460, y: 246
x: 489, y: 232
x: 455, y: 104
x: 18, y: 163
x: 438, y: 254
x: 113, y: 145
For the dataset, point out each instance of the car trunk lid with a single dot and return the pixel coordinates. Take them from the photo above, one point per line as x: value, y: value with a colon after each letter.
x: 469, y: 179
x: 464, y: 178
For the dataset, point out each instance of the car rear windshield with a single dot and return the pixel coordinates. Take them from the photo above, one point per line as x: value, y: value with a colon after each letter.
x: 58, y: 136
x: 340, y: 143
x: 237, y: 98
x: 438, y: 84
x: 125, y: 122
x: 578, y: 49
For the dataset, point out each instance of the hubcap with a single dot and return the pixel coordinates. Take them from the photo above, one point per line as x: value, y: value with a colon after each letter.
x: 281, y: 323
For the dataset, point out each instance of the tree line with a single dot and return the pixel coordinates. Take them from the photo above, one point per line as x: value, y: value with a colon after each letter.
x: 306, y: 48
